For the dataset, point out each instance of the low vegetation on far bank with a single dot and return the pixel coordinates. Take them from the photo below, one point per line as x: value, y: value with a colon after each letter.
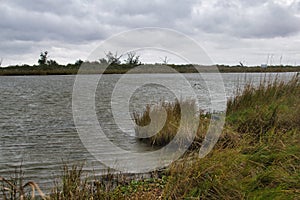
x: 113, y: 64
x: 98, y: 68
x: 256, y: 157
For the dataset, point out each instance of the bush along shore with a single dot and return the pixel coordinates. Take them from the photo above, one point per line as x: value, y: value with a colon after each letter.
x: 99, y: 68
x: 256, y: 157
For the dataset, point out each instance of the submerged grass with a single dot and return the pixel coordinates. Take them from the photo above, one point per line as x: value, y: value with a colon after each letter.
x: 257, y: 156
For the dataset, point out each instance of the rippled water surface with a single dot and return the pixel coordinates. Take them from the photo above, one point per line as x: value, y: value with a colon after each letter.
x: 37, y: 128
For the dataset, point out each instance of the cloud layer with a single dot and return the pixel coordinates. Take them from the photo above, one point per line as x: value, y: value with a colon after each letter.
x: 229, y: 30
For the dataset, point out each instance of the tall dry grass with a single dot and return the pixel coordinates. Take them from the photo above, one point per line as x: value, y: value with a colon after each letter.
x: 15, y: 188
x: 173, y: 122
x: 271, y: 105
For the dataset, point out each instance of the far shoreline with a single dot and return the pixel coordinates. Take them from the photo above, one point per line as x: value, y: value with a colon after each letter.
x: 92, y: 68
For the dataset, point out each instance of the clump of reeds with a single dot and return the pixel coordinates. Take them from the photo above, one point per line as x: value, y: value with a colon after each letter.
x: 195, y: 125
x: 14, y: 188
x: 74, y: 184
x: 174, y: 120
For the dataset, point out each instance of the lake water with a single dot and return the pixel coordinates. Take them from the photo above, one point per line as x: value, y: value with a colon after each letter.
x: 37, y: 129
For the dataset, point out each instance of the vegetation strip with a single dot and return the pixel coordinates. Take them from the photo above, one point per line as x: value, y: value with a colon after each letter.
x: 112, y: 64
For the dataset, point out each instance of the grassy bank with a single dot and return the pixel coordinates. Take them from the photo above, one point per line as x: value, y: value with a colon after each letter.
x: 96, y: 68
x: 256, y: 157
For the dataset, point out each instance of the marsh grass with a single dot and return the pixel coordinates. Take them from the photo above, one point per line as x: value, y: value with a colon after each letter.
x: 260, y: 157
x: 264, y: 170
x: 254, y: 110
x: 75, y: 184
x: 195, y: 125
x: 14, y: 188
x: 272, y: 105
x: 173, y: 122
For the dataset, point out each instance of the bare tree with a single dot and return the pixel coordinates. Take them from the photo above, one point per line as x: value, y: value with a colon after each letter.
x: 165, y: 60
x: 1, y: 61
x: 132, y: 59
x: 113, y: 58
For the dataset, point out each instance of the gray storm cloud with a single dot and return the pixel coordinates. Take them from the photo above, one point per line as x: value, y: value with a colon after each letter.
x: 27, y: 27
x: 248, y: 20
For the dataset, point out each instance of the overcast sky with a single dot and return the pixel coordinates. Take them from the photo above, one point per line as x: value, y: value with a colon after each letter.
x: 230, y: 31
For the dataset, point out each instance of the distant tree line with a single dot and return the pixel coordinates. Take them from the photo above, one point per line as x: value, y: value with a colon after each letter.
x: 110, y: 59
